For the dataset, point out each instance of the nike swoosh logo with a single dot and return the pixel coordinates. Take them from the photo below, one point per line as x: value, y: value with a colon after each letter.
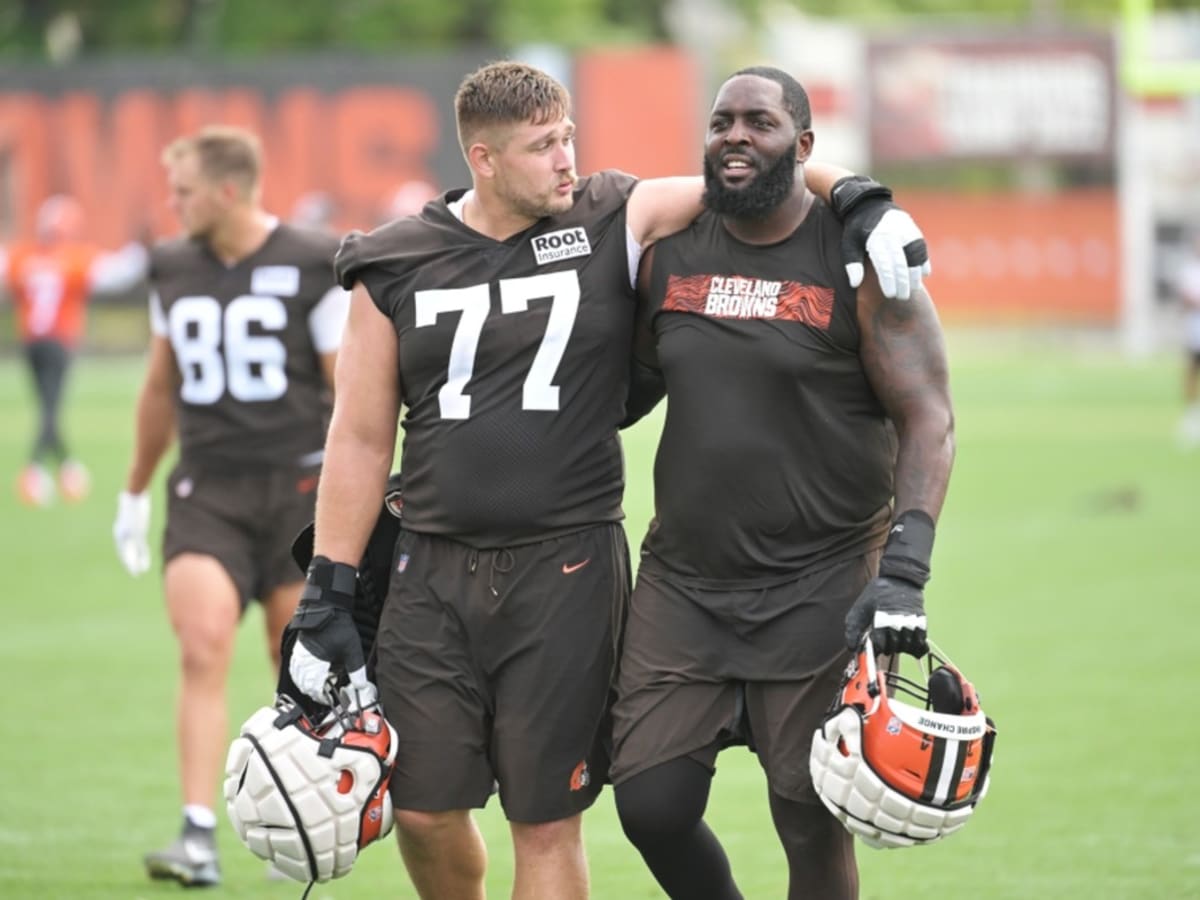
x: 568, y: 568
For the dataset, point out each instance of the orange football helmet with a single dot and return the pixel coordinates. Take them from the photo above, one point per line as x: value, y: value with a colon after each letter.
x: 309, y: 795
x: 897, y: 774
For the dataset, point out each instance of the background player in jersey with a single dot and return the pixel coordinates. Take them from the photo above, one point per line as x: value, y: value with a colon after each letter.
x: 50, y: 280
x: 807, y: 424
x: 245, y: 322
x: 501, y: 318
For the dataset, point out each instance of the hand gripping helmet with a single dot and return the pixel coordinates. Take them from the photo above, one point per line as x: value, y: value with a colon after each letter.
x: 896, y: 774
x: 308, y: 796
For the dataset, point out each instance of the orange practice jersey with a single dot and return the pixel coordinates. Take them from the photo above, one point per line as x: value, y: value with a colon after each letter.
x: 50, y: 288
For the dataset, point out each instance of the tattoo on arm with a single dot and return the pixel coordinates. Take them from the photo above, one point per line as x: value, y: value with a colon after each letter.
x: 904, y: 356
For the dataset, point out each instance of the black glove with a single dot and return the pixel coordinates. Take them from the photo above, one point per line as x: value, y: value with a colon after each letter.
x: 374, y: 569
x: 892, y: 606
x: 894, y: 610
x: 327, y: 642
x: 874, y: 225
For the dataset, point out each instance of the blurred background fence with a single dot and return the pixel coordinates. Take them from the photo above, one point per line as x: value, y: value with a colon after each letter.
x: 1055, y: 170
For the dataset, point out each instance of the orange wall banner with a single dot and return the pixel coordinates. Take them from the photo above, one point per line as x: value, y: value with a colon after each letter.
x: 357, y: 144
x: 639, y: 112
x: 353, y: 130
x: 1022, y: 258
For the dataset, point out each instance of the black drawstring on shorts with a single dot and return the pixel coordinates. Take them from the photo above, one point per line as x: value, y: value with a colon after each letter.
x: 503, y: 568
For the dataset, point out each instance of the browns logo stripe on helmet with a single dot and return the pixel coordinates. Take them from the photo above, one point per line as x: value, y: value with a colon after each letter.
x: 945, y: 769
x: 934, y: 773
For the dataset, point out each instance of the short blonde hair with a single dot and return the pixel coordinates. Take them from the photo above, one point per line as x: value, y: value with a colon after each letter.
x: 224, y: 152
x: 507, y: 93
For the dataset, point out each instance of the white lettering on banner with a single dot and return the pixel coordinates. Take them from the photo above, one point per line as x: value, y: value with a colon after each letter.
x: 563, y: 244
x: 992, y: 98
x: 731, y: 297
x: 1052, y: 104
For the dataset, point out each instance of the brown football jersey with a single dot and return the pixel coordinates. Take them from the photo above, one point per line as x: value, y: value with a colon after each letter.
x: 514, y: 364
x: 776, y: 455
x: 252, y: 393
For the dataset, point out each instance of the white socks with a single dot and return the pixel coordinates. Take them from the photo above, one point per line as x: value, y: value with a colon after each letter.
x: 200, y: 816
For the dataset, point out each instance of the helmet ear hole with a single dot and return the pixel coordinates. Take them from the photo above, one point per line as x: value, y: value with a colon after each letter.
x: 945, y: 691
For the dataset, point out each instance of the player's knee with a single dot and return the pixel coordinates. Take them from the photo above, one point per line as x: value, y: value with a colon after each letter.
x: 435, y: 839
x: 205, y: 649
x: 204, y: 658
x: 663, y: 802
x: 544, y: 838
x: 417, y: 827
x: 808, y: 831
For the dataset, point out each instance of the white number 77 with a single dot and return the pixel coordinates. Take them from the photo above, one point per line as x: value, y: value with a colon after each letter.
x: 562, y: 288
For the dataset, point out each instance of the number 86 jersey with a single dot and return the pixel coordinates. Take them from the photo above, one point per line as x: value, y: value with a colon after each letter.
x: 247, y: 340
x: 514, y: 364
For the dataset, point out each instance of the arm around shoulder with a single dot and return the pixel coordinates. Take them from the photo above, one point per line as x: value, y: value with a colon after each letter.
x: 822, y: 176
x: 661, y: 206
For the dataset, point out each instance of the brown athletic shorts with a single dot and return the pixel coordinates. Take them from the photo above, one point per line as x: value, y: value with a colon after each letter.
x: 246, y: 520
x: 705, y: 669
x: 496, y: 668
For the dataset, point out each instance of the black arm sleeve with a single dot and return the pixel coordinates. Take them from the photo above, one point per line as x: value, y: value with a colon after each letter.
x: 646, y: 388
x: 646, y: 383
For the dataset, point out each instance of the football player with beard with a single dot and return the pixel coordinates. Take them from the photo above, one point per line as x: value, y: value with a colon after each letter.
x: 803, y: 462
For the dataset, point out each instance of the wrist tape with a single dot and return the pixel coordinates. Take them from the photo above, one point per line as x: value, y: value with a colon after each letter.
x: 909, y: 547
x: 330, y: 582
x: 850, y: 191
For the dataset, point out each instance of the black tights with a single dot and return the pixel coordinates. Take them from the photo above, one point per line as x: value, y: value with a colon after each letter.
x: 48, y: 361
x: 662, y: 812
x: 820, y: 852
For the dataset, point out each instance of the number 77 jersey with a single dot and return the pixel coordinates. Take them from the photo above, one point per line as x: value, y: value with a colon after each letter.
x: 247, y: 340
x: 514, y: 363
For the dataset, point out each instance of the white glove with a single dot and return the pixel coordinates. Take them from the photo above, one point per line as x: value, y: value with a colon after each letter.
x: 310, y: 674
x: 130, y: 531
x: 898, y: 253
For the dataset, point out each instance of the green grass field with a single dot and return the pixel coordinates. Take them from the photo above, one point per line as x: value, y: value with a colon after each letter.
x: 1066, y: 582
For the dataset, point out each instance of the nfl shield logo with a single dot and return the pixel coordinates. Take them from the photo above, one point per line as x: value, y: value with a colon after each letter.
x: 402, y: 563
x: 893, y: 726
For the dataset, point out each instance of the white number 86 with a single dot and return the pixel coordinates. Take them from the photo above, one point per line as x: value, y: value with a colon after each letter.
x: 252, y: 368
